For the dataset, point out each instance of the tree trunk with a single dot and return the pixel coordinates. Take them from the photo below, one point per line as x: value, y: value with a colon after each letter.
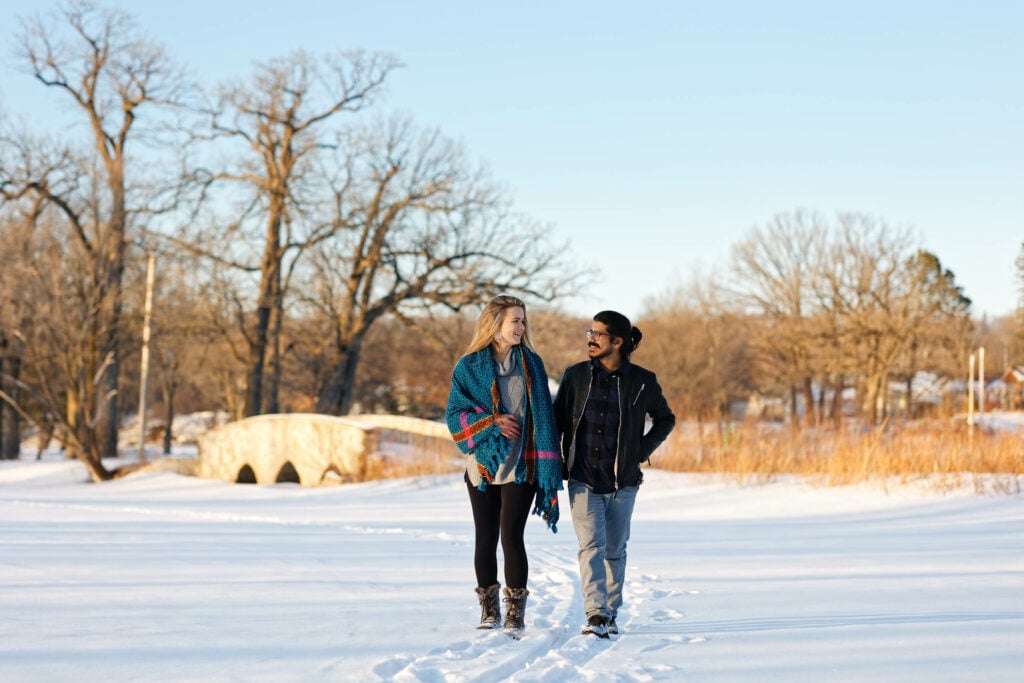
x: 257, y: 352
x: 336, y: 398
x: 822, y: 401
x: 3, y: 404
x: 107, y: 409
x: 272, y: 396
x: 46, y: 432
x: 911, y: 371
x: 909, y: 413
x: 72, y: 418
x: 794, y: 404
x: 873, y: 398
x: 107, y: 413
x: 85, y: 448
x: 808, y: 392
x: 168, y: 396
x: 10, y: 420
x: 270, y: 288
x: 94, y: 463
x: 837, y: 401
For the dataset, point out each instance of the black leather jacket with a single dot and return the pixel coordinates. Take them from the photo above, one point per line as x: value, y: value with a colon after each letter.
x: 639, y: 396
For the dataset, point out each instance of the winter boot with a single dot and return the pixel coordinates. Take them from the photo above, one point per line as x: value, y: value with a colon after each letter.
x: 490, y: 606
x: 596, y: 625
x: 515, y: 612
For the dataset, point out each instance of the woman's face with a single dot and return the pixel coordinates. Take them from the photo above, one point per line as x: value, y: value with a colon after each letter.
x: 513, y: 326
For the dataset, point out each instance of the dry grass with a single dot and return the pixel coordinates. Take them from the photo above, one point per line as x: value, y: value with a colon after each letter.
x: 442, y: 459
x: 942, y: 455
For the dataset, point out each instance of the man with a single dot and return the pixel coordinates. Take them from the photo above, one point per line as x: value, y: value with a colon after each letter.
x: 601, y: 409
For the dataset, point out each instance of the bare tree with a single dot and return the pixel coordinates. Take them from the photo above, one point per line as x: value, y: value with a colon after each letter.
x: 774, y: 270
x: 61, y: 372
x: 110, y: 73
x: 419, y: 227
x: 268, y: 134
x: 15, y: 310
x: 876, y: 290
x: 854, y: 302
x: 936, y: 318
x: 700, y: 347
x: 10, y: 372
x: 883, y: 302
x: 187, y: 352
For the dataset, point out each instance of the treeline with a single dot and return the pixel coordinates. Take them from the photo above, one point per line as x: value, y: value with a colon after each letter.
x: 826, y: 313
x: 285, y: 209
x: 316, y: 254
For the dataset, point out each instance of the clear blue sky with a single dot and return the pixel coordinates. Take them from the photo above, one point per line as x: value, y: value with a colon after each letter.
x: 654, y: 135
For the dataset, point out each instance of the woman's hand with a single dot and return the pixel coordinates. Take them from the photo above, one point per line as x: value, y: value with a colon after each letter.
x: 510, y: 428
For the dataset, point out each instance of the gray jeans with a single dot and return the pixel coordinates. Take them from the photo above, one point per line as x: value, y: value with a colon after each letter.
x: 601, y: 521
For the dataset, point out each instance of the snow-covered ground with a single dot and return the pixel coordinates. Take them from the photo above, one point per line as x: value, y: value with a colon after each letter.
x: 161, y: 577
x: 1001, y: 421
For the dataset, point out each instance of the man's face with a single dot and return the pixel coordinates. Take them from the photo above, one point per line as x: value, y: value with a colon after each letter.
x: 600, y: 344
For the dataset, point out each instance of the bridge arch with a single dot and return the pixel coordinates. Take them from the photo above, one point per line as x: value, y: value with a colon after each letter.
x: 311, y: 449
x: 288, y: 474
x: 246, y: 475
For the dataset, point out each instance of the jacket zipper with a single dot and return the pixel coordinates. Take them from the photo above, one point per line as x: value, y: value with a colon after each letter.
x: 618, y: 438
x: 576, y: 426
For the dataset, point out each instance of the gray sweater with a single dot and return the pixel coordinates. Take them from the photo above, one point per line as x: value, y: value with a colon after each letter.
x: 512, y: 392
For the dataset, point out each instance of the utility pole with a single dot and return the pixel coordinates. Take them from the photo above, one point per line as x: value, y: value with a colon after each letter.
x: 970, y: 397
x: 981, y: 382
x: 144, y: 369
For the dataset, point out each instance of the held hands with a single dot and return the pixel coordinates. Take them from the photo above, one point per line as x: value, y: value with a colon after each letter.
x: 510, y: 428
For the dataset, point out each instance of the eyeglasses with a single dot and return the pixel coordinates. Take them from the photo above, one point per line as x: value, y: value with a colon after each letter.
x: 595, y: 333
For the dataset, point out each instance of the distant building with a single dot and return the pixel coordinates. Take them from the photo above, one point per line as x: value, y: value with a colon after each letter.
x: 1007, y: 392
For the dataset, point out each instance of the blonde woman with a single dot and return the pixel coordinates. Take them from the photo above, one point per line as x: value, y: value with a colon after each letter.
x: 500, y: 415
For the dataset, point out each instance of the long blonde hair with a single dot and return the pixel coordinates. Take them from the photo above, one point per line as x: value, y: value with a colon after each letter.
x: 489, y: 324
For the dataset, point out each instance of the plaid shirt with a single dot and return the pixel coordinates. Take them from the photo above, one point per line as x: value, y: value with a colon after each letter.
x: 598, y: 432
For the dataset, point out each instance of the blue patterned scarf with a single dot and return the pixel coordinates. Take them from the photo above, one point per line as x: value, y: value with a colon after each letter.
x: 473, y: 408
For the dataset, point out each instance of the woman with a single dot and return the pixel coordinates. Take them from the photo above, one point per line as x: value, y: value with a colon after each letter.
x: 500, y: 415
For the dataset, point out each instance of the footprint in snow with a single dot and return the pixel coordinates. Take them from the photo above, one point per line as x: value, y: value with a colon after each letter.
x: 389, y: 667
x: 666, y: 615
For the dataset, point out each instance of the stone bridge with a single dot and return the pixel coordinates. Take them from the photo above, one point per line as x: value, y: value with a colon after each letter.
x: 314, y: 450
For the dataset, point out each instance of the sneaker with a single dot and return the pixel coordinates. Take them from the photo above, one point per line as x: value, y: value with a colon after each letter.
x: 596, y: 625
x: 613, y: 628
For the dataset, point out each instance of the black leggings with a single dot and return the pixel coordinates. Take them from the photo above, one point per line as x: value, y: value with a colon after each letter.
x: 501, y: 510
